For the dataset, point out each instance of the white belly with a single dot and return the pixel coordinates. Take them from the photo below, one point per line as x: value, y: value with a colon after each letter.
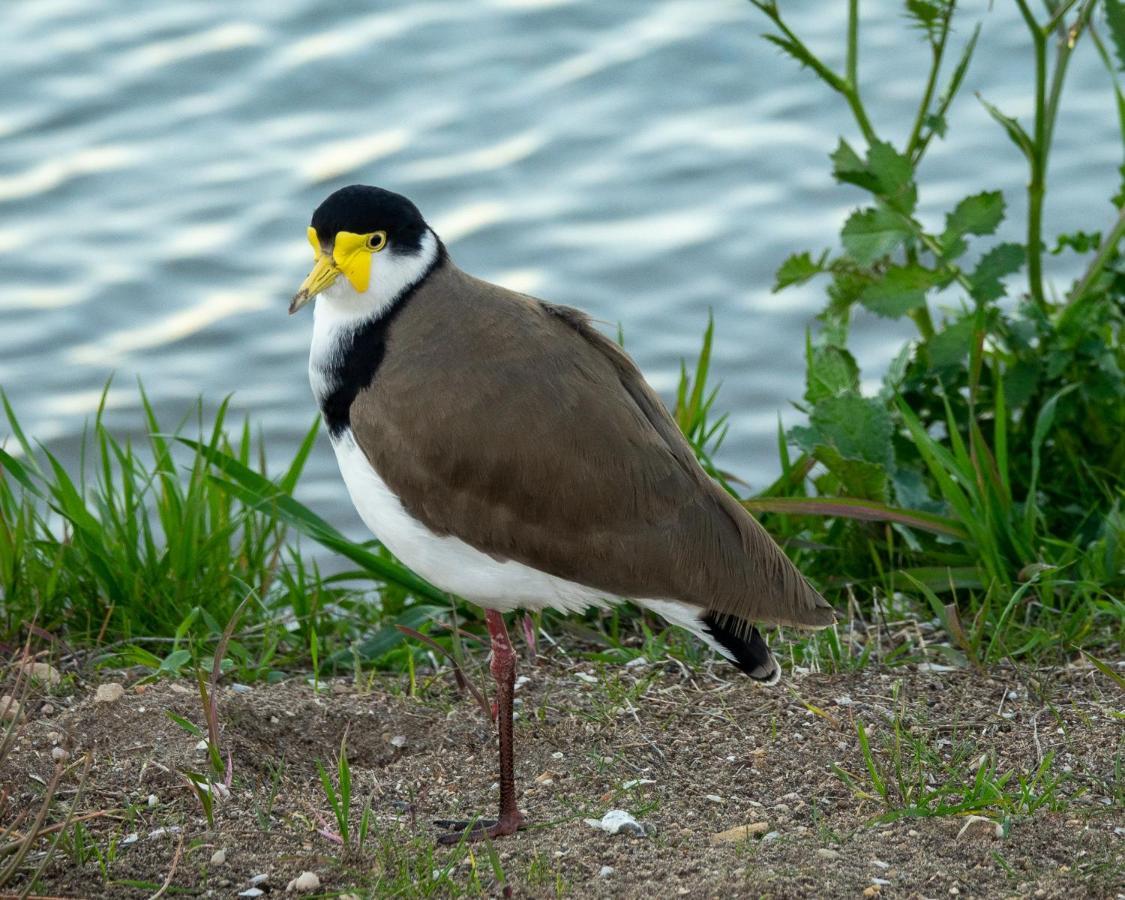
x: 447, y: 562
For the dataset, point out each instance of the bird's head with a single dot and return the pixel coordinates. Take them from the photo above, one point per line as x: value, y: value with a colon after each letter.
x: 377, y: 240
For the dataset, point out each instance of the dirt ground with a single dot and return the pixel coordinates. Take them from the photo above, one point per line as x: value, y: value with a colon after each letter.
x: 690, y: 754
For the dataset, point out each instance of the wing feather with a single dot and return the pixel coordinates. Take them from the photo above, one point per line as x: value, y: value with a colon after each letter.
x: 518, y: 427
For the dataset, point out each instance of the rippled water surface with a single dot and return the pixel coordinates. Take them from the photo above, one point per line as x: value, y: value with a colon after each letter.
x: 646, y: 161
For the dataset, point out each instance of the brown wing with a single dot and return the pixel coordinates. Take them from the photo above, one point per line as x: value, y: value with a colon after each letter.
x: 519, y: 428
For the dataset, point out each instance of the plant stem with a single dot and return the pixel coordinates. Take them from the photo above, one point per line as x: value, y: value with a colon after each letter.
x: 851, y: 80
x: 1067, y: 40
x: 921, y: 317
x: 938, y: 51
x: 848, y: 86
x: 1036, y: 188
x: 936, y: 249
x: 1057, y: 16
x: 852, y: 69
x: 1100, y: 259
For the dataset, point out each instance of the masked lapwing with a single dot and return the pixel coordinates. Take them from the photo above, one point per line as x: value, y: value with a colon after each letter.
x: 511, y: 454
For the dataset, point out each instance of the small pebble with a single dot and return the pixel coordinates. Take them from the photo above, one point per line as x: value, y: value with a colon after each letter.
x: 740, y: 833
x: 10, y: 709
x: 605, y: 871
x: 397, y: 741
x: 110, y: 692
x: 255, y: 880
x: 304, y: 883
x: 59, y: 754
x: 714, y: 798
x: 616, y: 821
x: 219, y: 857
x: 241, y: 688
x: 251, y: 892
x: 44, y: 672
x: 152, y: 801
x: 558, y: 754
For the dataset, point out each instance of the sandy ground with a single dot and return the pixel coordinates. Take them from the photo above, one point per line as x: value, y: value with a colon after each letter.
x: 690, y: 754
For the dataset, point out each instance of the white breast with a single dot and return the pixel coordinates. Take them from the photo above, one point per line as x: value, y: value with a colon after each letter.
x: 446, y: 561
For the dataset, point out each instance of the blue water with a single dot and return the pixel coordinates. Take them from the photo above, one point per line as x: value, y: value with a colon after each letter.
x: 645, y: 161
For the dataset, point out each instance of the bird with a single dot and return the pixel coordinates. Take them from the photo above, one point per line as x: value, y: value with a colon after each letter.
x: 505, y: 450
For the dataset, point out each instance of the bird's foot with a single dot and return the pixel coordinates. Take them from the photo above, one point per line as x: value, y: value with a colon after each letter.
x: 478, y: 829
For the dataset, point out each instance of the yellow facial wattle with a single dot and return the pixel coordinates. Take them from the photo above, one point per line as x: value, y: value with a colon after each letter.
x: 351, y: 255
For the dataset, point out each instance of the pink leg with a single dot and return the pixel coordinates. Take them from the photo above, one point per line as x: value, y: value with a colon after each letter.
x: 504, y: 672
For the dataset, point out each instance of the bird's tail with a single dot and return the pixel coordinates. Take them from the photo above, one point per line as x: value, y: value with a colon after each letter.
x: 745, y: 647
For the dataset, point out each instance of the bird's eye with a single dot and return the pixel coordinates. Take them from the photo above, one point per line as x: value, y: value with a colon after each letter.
x: 377, y: 241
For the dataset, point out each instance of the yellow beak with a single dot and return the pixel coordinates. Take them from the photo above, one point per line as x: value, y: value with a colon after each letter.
x: 323, y: 274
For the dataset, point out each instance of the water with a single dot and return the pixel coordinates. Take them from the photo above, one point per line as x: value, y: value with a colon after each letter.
x: 644, y: 161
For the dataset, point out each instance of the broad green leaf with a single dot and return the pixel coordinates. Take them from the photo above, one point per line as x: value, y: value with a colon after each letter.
x: 858, y: 427
x: 950, y: 346
x: 848, y: 167
x: 854, y: 477
x: 895, y: 176
x: 885, y: 172
x: 901, y: 289
x: 798, y: 268
x: 1115, y: 18
x: 872, y: 233
x: 831, y: 372
x: 1001, y: 260
x: 979, y: 214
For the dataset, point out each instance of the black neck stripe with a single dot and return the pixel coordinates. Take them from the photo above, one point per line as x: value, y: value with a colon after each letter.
x: 362, y: 353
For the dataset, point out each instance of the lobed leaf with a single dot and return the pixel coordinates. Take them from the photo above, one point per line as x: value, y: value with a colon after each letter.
x: 894, y: 174
x: 901, y: 289
x: 979, y: 214
x: 830, y: 372
x: 1000, y: 261
x: 797, y: 269
x: 872, y: 233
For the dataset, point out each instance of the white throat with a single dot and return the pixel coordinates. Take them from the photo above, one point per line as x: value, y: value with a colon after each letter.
x: 340, y: 310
